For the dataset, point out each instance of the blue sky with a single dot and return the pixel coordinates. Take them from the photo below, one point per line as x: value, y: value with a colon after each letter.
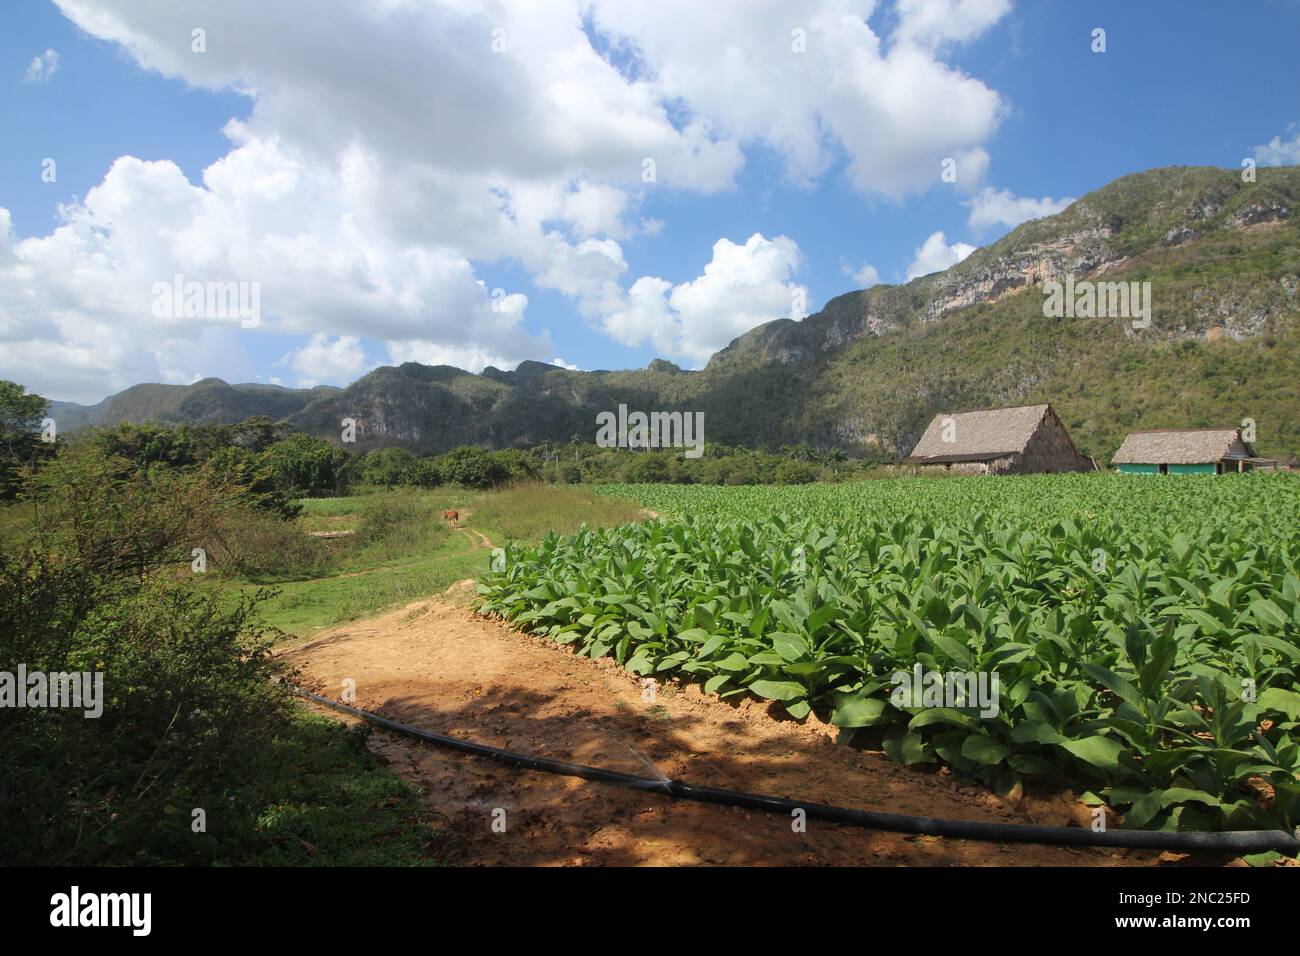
x: 615, y: 271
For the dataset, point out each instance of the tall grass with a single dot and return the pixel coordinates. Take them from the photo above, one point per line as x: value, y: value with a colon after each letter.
x: 526, y: 512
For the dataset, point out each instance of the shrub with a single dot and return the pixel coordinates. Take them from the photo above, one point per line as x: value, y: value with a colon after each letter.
x: 516, y: 465
x: 101, y: 583
x: 389, y: 467
x: 306, y: 467
x: 399, y: 523
x: 20, y: 446
x: 794, y: 473
x: 427, y: 473
x: 646, y: 468
x: 471, y: 467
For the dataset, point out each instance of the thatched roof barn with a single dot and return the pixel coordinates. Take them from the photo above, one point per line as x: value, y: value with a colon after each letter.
x: 1173, y: 451
x: 998, y: 441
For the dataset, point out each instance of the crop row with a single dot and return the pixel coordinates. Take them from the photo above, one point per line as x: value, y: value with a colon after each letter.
x: 1145, y: 645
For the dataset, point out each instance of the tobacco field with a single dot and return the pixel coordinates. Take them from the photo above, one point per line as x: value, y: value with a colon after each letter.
x: 1144, y: 631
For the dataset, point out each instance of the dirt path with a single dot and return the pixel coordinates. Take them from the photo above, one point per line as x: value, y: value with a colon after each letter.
x: 476, y: 538
x: 436, y: 665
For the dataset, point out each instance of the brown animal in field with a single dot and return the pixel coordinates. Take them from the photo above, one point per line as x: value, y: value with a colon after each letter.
x: 453, y: 517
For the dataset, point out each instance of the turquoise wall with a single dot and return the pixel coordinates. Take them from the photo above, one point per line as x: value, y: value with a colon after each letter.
x: 1200, y: 469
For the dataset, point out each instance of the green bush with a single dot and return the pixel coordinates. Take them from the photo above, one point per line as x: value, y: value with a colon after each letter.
x: 20, y: 445
x: 306, y: 467
x: 389, y: 467
x: 516, y: 464
x: 427, y: 474
x: 472, y: 467
x: 102, y: 582
x: 646, y: 468
x: 794, y: 473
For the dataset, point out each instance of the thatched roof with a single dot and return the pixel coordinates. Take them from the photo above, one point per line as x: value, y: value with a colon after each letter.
x: 1182, y: 446
x: 979, y: 436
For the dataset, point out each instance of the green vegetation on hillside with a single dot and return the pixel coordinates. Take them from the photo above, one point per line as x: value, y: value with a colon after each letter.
x: 873, y: 367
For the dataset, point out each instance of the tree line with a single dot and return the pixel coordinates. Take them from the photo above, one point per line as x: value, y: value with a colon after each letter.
x: 280, y: 464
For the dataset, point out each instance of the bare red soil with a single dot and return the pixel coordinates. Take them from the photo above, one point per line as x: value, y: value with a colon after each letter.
x: 438, y: 666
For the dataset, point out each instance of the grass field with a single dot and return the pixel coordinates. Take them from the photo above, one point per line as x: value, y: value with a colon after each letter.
x: 398, y: 549
x: 327, y: 801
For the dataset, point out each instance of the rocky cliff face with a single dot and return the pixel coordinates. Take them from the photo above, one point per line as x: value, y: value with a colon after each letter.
x: 1079, y: 253
x: 1100, y: 234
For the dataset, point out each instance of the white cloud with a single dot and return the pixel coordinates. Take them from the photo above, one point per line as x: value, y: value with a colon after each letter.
x: 82, y: 296
x: 470, y: 358
x: 419, y: 82
x: 993, y: 207
x: 415, y: 80
x: 643, y: 315
x: 373, y: 219
x: 322, y: 361
x: 934, y: 22
x: 895, y: 112
x: 935, y: 255
x: 742, y: 286
x: 42, y: 67
x: 588, y: 272
x: 866, y: 275
x: 596, y: 210
x: 1279, y: 152
x: 563, y: 364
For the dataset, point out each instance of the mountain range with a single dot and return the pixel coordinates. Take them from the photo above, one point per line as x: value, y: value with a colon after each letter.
x: 869, y: 371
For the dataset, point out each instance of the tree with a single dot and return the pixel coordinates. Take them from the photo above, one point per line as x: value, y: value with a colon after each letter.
x: 304, y: 466
x: 471, y: 467
x: 794, y: 473
x: 428, y: 474
x: 20, y: 419
x: 518, y: 465
x: 390, y: 466
x: 258, y: 433
x: 647, y: 468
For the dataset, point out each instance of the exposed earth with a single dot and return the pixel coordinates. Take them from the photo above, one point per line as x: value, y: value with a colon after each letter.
x: 437, y: 665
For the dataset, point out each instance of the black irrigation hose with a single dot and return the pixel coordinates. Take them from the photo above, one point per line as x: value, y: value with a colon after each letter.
x: 1238, y: 840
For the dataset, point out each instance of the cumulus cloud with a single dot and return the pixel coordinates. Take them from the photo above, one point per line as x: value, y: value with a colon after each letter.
x: 1001, y: 207
x: 865, y: 275
x: 423, y: 82
x: 84, y: 295
x: 896, y: 111
x: 935, y: 255
x: 465, y: 134
x: 322, y: 361
x: 934, y: 22
x: 1280, y: 152
x: 42, y: 67
x: 741, y: 287
x: 472, y: 358
x: 563, y: 364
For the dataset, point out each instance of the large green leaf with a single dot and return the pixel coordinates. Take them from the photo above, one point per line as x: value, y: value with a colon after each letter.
x: 1100, y: 752
x: 778, y: 689
x: 984, y: 749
